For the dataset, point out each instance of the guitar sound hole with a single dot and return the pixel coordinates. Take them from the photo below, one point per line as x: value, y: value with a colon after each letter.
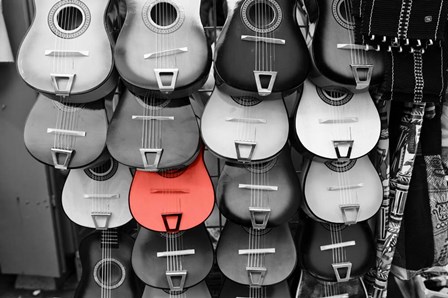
x: 261, y: 14
x: 342, y: 10
x: 103, y: 171
x: 109, y: 274
x: 164, y: 14
x: 171, y: 173
x: 69, y: 18
x: 334, y: 96
x: 246, y: 101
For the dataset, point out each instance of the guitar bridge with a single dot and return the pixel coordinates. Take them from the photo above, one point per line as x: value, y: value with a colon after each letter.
x: 61, y: 158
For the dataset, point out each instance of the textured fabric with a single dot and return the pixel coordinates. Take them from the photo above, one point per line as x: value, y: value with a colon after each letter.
x: 408, y: 75
x: 399, y: 22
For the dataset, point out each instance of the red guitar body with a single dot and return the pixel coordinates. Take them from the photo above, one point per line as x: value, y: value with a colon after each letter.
x: 172, y: 201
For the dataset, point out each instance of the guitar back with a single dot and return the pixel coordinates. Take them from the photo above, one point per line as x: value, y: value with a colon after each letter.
x: 198, y: 291
x: 336, y: 115
x: 67, y: 51
x: 237, y: 252
x: 341, y: 192
x: 74, y: 135
x: 332, y: 61
x: 162, y: 46
x: 336, y: 252
x: 172, y: 201
x: 112, y: 274
x: 232, y: 289
x: 167, y: 127
x: 266, y: 38
x: 151, y: 266
x: 244, y: 129
x: 97, y: 197
x: 312, y: 287
x: 270, y: 190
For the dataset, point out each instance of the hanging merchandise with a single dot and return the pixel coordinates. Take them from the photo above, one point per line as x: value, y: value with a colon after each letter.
x: 261, y: 50
x: 153, y: 133
x: 106, y: 266
x: 67, y: 52
x: 163, y: 47
x: 173, y: 261
x: 5, y: 46
x: 256, y: 257
x: 244, y: 128
x: 333, y: 123
x: 97, y: 197
x: 172, y: 200
x: 259, y: 195
x: 402, y: 24
x: 66, y: 135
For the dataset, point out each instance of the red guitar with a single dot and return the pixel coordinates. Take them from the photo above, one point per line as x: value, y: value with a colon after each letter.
x: 172, y: 200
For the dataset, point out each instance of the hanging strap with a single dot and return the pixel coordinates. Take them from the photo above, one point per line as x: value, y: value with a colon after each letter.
x: 401, y: 171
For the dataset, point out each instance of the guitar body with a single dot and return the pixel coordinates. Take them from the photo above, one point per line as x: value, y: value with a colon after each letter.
x: 110, y: 275
x: 68, y: 43
x: 97, y: 197
x: 336, y: 115
x: 237, y: 191
x: 171, y: 33
x: 172, y: 201
x: 178, y: 138
x: 152, y: 269
x: 198, y: 291
x: 319, y: 262
x: 260, y: 126
x: 232, y: 289
x: 277, y: 266
x: 333, y: 189
x: 237, y: 59
x: 312, y: 287
x: 332, y: 64
x: 47, y: 114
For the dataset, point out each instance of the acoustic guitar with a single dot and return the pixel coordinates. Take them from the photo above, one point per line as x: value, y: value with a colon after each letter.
x: 341, y: 192
x: 348, y: 124
x: 172, y: 200
x: 173, y: 261
x: 198, y: 291
x: 232, y: 289
x: 153, y: 133
x: 339, y: 58
x: 66, y: 136
x: 310, y: 286
x: 259, y: 195
x: 162, y: 47
x: 67, y: 52
x: 97, y: 197
x: 244, y: 128
x: 260, y: 49
x: 256, y: 257
x: 335, y: 252
x: 106, y: 266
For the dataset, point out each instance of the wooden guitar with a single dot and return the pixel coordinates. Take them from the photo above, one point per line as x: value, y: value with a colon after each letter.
x: 341, y: 192
x: 162, y: 47
x: 339, y: 59
x: 106, y: 266
x: 244, y: 128
x: 310, y: 286
x: 67, y: 52
x: 97, y: 197
x: 259, y: 195
x: 173, y: 261
x: 153, y: 133
x: 172, y: 200
x: 198, y: 291
x: 66, y: 136
x: 256, y: 257
x: 336, y: 252
x: 260, y: 49
x: 232, y: 289
x: 348, y: 124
